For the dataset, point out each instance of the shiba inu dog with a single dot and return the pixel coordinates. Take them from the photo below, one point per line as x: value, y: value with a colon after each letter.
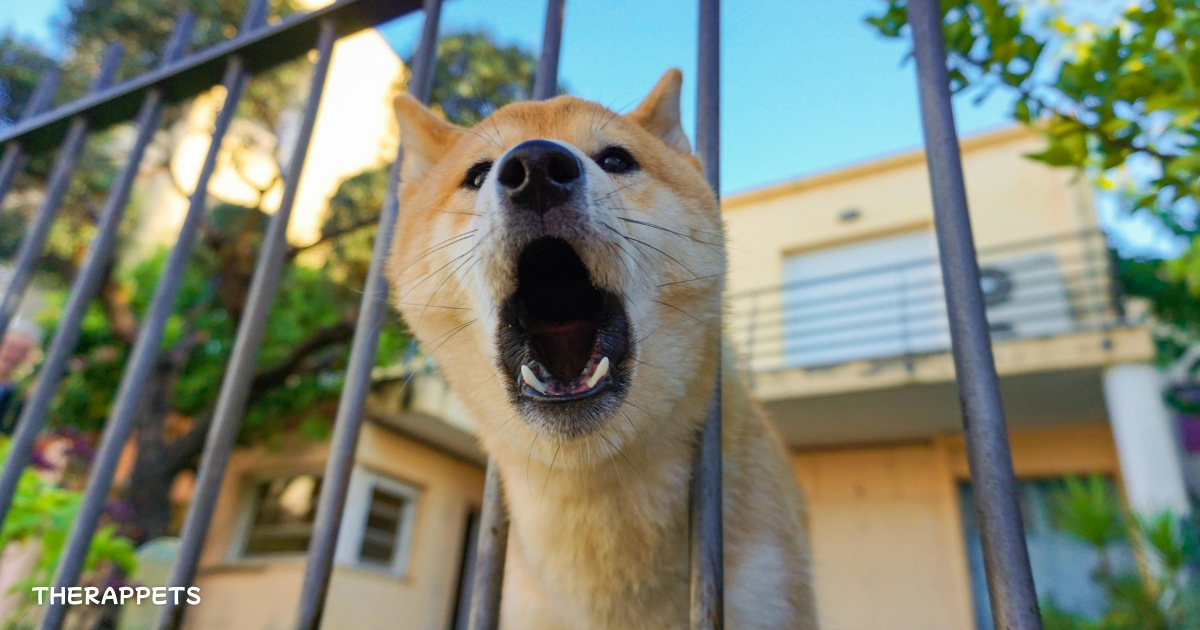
x: 564, y: 266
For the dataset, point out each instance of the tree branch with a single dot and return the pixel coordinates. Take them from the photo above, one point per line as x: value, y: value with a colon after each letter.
x: 273, y: 377
x: 334, y: 235
x: 115, y: 304
x: 184, y: 448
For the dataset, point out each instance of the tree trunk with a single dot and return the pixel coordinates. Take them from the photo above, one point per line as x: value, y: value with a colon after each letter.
x: 158, y: 462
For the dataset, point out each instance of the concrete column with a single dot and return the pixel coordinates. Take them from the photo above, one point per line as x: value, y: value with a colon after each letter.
x: 1146, y: 438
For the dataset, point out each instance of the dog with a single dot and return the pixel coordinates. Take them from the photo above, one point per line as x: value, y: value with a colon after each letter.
x: 564, y: 266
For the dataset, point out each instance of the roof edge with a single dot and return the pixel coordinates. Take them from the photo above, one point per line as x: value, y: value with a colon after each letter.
x: 866, y: 168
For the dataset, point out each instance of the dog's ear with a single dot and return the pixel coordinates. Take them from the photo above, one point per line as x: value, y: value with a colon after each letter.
x: 659, y: 113
x: 424, y: 136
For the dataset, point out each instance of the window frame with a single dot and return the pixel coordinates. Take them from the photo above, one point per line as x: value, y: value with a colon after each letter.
x: 248, y: 510
x: 363, y: 483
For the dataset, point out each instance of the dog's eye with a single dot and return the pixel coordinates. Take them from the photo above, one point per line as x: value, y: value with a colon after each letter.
x: 616, y: 160
x: 476, y: 174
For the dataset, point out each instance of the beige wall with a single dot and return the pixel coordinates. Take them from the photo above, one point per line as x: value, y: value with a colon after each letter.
x: 1011, y: 198
x: 262, y: 595
x: 886, y: 531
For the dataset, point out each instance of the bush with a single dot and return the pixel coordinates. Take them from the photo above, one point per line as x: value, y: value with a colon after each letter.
x: 1163, y: 594
x: 42, y: 512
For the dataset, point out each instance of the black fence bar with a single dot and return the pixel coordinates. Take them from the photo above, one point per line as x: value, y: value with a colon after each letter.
x: 87, y: 282
x: 707, y: 543
x: 545, y: 82
x: 57, y: 184
x: 491, y: 553
x: 492, y: 548
x: 260, y: 50
x: 145, y: 354
x: 339, y: 466
x: 238, y: 381
x: 14, y: 157
x: 1006, y: 559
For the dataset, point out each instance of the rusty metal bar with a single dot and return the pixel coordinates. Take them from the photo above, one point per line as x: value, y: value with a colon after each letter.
x: 706, y: 527
x: 491, y: 553
x: 239, y: 375
x: 59, y: 181
x: 545, y: 82
x: 1006, y: 558
x: 351, y: 407
x: 145, y: 354
x: 14, y: 156
x: 91, y: 274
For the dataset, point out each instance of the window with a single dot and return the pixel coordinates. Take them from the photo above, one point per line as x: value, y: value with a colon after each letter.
x: 378, y: 523
x: 284, y: 508
x: 1062, y: 566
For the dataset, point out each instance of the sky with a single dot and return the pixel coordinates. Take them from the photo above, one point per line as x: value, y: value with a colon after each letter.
x: 807, y: 87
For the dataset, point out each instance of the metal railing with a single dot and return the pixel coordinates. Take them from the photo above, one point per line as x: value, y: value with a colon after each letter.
x: 878, y: 312
x: 259, y: 47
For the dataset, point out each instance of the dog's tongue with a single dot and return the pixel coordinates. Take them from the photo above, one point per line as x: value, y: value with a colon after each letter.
x: 564, y: 348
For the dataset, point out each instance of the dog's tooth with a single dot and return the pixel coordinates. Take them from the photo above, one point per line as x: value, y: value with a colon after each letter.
x: 601, y: 370
x: 531, y: 380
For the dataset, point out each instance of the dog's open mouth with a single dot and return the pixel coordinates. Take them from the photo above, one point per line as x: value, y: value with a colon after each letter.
x: 561, y: 338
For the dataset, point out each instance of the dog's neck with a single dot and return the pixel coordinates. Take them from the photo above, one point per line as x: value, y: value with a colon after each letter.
x: 602, y: 526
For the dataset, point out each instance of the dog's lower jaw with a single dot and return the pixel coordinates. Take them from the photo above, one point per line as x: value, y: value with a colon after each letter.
x: 606, y: 546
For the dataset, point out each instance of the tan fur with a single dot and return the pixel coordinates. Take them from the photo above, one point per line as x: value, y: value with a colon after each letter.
x: 599, y: 524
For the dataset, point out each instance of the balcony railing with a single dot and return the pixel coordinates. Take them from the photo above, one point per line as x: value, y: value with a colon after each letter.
x: 1032, y: 289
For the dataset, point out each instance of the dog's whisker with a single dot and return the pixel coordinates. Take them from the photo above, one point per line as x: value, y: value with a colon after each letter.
x: 635, y: 429
x: 551, y: 471
x: 709, y: 277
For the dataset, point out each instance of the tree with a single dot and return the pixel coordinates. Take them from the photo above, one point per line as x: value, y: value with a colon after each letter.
x: 1116, y: 94
x: 301, y: 364
x: 1165, y: 595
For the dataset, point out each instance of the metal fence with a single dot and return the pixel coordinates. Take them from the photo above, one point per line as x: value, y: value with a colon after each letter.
x: 892, y: 312
x: 258, y: 47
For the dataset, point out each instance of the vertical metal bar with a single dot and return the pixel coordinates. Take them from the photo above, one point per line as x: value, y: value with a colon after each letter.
x: 706, y: 527
x: 1116, y: 288
x: 492, y: 548
x: 545, y: 83
x: 56, y: 189
x: 14, y: 156
x: 491, y: 553
x: 239, y: 375
x: 1006, y: 559
x: 87, y: 282
x: 373, y: 308
x: 144, y: 356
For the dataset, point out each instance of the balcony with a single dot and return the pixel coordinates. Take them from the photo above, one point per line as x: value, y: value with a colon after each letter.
x: 869, y: 348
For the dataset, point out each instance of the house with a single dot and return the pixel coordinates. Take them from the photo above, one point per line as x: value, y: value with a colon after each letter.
x: 838, y: 308
x: 838, y: 314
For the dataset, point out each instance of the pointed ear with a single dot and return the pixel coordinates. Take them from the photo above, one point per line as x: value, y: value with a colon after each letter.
x: 424, y: 136
x: 659, y: 113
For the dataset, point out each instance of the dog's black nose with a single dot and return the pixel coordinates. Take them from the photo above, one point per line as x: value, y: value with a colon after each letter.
x: 539, y: 175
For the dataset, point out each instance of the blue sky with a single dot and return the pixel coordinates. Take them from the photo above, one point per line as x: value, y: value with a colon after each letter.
x: 806, y: 85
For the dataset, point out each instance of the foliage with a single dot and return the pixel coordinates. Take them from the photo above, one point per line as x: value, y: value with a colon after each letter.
x: 23, y: 64
x: 474, y: 77
x: 42, y: 513
x: 1164, y: 594
x: 301, y: 364
x: 1116, y: 97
